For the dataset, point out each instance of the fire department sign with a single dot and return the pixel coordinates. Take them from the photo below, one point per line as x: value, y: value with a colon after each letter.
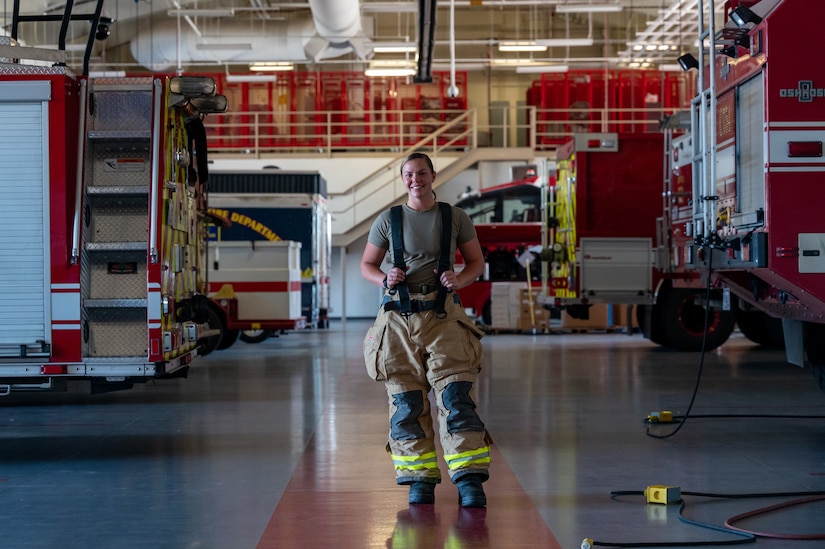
x: 805, y: 91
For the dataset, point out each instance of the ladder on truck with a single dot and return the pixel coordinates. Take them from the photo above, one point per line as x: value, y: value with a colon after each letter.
x: 703, y: 128
x: 120, y: 216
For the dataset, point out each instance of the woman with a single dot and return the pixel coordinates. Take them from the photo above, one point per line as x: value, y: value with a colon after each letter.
x: 422, y: 339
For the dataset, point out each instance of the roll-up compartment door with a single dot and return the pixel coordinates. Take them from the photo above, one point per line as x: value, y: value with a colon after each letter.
x: 24, y: 276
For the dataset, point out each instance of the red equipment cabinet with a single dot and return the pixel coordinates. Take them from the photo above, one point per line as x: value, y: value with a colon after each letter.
x: 300, y: 108
x: 577, y: 100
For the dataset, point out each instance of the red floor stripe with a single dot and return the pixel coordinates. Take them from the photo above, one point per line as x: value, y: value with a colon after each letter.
x: 343, y: 492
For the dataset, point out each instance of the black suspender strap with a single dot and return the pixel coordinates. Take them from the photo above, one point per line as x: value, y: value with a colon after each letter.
x: 397, y: 230
x: 444, y: 261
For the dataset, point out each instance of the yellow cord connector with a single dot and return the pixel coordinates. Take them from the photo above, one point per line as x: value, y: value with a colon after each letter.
x: 663, y: 494
x: 660, y: 417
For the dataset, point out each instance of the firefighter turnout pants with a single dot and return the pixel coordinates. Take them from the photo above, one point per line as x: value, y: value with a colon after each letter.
x: 417, y: 352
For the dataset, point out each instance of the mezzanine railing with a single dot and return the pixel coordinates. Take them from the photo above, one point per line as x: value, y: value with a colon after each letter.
x: 446, y: 136
x: 261, y: 134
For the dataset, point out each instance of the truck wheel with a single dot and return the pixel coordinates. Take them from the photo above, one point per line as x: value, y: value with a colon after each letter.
x: 761, y: 328
x: 819, y: 375
x: 228, y: 338
x: 254, y: 336
x: 651, y: 327
x: 209, y: 344
x: 815, y: 351
x: 683, y: 320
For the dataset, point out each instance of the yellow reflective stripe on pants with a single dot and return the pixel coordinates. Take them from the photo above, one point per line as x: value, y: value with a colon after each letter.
x: 416, y: 463
x: 472, y: 457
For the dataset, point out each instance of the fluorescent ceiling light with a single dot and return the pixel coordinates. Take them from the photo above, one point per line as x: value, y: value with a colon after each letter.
x: 390, y: 67
x: 394, y: 47
x: 238, y: 78
x: 533, y: 69
x: 390, y: 72
x: 671, y: 67
x: 520, y: 46
x: 202, y: 12
x: 562, y: 42
x: 277, y: 66
x: 588, y: 8
x: 462, y: 66
x: 511, y: 62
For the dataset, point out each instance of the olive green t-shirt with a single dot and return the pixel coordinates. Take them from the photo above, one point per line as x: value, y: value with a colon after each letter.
x: 422, y: 237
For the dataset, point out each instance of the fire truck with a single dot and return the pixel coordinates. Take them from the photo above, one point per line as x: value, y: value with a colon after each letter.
x: 104, y: 195
x: 587, y: 231
x: 613, y: 233
x: 754, y: 226
x: 740, y: 240
x: 268, y: 214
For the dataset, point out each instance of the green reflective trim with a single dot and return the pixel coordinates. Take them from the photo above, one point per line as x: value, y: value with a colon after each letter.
x: 479, y: 456
x: 416, y: 463
x: 424, y: 457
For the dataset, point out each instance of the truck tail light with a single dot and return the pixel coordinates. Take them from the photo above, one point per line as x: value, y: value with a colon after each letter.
x: 53, y: 369
x: 805, y: 149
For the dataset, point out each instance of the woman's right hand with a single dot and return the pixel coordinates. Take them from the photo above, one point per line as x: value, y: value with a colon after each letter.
x: 395, y: 276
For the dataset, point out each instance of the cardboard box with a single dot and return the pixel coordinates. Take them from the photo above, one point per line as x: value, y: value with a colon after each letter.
x: 598, y: 319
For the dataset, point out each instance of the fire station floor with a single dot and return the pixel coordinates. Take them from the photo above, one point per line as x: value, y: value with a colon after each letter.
x: 281, y: 445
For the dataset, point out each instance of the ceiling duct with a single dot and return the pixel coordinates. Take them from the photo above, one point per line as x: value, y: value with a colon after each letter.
x: 333, y: 30
x: 426, y: 39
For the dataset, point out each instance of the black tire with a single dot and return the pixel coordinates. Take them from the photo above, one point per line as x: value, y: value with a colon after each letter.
x: 761, y: 328
x: 819, y: 375
x: 815, y: 351
x: 254, y: 336
x: 683, y: 320
x: 209, y: 344
x: 228, y: 339
x: 651, y: 327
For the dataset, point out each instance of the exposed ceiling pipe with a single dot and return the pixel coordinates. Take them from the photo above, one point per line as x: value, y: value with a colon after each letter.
x: 333, y: 30
x: 426, y: 36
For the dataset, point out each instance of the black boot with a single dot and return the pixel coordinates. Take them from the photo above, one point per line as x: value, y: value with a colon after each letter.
x: 422, y: 492
x: 470, y: 492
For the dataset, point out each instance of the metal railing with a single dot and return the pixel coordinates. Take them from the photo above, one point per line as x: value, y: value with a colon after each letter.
x: 445, y: 135
x: 258, y: 134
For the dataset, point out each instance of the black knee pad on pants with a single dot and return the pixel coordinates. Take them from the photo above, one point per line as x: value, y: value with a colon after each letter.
x: 404, y: 423
x: 463, y: 417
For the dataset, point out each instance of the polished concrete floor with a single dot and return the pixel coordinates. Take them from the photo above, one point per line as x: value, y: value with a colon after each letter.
x: 281, y: 445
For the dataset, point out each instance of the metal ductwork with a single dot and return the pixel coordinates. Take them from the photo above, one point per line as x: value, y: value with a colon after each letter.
x: 333, y: 30
x: 426, y: 39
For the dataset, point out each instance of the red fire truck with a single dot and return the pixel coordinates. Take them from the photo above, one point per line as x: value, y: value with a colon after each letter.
x: 741, y: 233
x: 105, y: 245
x: 615, y: 233
x: 596, y: 232
x: 754, y: 226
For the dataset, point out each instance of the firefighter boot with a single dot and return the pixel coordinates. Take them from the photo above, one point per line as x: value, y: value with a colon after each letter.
x: 422, y: 492
x: 470, y: 492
